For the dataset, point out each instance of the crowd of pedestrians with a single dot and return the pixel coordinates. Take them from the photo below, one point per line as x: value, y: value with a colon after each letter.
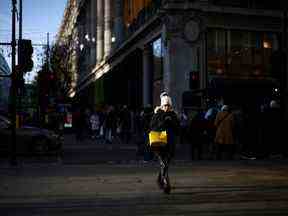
x: 104, y: 122
x: 220, y: 131
x: 229, y: 131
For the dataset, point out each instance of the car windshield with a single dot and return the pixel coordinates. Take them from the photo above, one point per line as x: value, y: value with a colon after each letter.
x: 4, y: 122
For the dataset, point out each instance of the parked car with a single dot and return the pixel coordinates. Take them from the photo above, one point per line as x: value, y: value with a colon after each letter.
x: 29, y: 139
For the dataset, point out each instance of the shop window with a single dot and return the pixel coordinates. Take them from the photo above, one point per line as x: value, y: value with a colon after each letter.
x: 157, y: 59
x: 268, y: 4
x: 132, y: 8
x: 240, y: 54
x: 216, y: 52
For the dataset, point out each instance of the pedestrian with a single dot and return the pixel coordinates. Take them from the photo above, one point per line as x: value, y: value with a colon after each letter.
x: 79, y: 123
x: 196, y: 135
x: 146, y: 117
x: 224, y: 138
x: 110, y: 124
x: 87, y: 125
x: 165, y: 119
x: 184, y: 123
x: 94, y: 124
x: 124, y: 125
x: 213, y: 107
x: 239, y: 126
x: 273, y: 131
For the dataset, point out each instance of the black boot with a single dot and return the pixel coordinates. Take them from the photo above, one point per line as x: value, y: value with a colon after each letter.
x: 166, y: 186
x: 160, y: 181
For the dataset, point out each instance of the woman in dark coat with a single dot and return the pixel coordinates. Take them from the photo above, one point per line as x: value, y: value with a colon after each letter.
x: 165, y: 119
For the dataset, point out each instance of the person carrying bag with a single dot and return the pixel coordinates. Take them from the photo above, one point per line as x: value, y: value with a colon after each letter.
x: 164, y: 126
x: 224, y: 137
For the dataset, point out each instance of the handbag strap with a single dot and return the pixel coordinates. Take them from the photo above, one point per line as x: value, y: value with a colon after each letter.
x: 223, y: 118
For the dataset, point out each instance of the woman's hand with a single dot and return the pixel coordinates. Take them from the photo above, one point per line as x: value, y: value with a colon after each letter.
x: 157, y: 109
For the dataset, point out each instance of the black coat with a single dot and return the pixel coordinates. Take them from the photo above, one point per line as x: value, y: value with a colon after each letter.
x: 169, y: 122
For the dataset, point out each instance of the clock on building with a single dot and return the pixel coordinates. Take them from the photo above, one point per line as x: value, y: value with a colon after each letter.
x: 191, y: 30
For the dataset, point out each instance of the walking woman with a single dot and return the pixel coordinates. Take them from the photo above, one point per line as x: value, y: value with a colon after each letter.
x: 165, y: 119
x: 224, y: 138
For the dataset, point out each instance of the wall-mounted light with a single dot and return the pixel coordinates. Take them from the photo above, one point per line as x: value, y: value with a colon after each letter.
x: 267, y: 44
x: 113, y: 39
x: 219, y: 71
x: 81, y: 47
x: 87, y: 37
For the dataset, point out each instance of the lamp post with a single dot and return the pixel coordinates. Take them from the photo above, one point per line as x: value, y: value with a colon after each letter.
x: 13, y: 158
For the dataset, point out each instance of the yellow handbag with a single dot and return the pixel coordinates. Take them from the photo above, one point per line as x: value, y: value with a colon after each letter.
x: 157, y: 138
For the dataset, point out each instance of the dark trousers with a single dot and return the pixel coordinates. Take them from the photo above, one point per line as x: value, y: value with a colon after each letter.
x: 164, y: 160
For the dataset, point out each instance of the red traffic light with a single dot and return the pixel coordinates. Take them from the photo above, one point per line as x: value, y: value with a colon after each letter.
x: 194, y: 81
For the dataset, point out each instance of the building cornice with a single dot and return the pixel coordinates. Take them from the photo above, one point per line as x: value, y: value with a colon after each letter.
x: 200, y: 6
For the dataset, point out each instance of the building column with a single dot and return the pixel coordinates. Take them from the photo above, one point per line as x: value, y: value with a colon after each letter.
x: 87, y: 34
x: 147, y: 75
x: 119, y: 22
x: 100, y: 30
x: 107, y: 27
x: 93, y: 24
x: 81, y: 36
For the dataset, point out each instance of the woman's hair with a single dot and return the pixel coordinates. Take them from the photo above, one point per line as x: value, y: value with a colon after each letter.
x: 166, y: 100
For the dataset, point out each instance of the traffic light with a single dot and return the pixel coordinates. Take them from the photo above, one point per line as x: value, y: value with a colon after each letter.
x: 194, y: 80
x: 25, y: 52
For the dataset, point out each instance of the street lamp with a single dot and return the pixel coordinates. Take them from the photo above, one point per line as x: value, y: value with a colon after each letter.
x: 88, y: 41
x: 81, y: 47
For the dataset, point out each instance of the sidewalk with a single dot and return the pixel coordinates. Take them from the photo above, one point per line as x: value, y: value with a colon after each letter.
x: 114, y: 151
x: 90, y: 152
x: 70, y: 142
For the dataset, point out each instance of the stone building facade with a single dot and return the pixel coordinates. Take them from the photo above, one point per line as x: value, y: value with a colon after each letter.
x: 4, y: 85
x: 128, y: 52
